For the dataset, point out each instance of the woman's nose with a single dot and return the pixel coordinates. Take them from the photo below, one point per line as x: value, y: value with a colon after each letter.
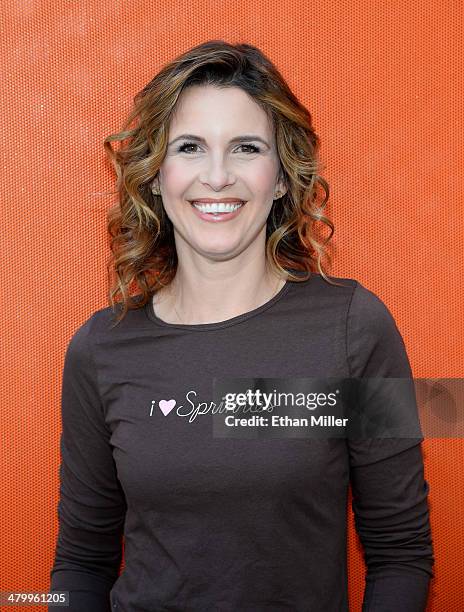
x: 217, y: 173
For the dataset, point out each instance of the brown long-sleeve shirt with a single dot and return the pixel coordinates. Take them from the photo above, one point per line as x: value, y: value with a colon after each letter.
x: 233, y: 525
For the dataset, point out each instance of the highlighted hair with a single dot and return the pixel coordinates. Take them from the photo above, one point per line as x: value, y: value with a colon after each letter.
x: 143, y: 255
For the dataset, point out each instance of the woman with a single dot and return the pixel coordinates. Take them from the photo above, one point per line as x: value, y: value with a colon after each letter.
x: 218, y: 183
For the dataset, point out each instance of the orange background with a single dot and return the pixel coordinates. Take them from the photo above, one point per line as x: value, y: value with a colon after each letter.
x: 382, y: 81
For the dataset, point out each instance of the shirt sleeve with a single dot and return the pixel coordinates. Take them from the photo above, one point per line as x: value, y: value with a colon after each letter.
x: 91, y: 506
x: 389, y: 493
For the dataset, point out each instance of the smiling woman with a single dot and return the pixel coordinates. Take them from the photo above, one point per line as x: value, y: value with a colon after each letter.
x: 229, y: 229
x: 215, y: 229
x: 219, y: 126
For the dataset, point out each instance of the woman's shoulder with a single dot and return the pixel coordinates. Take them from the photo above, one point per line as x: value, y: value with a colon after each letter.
x: 328, y: 293
x: 361, y: 309
x: 359, y: 296
x: 104, y: 320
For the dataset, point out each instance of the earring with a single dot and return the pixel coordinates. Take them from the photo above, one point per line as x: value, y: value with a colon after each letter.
x: 155, y: 190
x: 278, y: 195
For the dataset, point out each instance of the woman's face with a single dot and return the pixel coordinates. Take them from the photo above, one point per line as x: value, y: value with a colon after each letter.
x: 229, y: 153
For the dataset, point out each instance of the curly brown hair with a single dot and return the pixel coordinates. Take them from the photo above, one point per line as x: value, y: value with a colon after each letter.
x: 143, y: 254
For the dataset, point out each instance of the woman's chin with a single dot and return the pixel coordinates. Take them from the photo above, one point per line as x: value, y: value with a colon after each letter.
x: 218, y: 249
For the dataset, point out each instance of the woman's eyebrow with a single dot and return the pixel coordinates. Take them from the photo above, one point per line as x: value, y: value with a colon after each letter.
x: 242, y: 138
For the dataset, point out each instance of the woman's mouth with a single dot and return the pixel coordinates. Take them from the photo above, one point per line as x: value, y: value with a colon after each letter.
x: 217, y: 211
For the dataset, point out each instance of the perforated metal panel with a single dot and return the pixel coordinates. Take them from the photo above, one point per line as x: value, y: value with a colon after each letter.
x: 382, y: 80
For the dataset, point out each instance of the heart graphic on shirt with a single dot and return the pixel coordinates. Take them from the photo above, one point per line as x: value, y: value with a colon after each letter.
x: 166, y: 406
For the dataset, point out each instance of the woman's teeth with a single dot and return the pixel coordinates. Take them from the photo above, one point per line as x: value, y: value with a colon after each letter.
x: 219, y: 207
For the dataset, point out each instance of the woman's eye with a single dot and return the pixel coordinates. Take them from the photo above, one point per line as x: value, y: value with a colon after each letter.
x: 183, y: 148
x: 255, y: 149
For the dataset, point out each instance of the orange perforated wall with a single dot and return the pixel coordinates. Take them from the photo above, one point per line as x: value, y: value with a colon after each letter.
x: 383, y: 81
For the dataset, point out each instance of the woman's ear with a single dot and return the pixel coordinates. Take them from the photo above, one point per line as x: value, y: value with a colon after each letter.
x: 281, y: 187
x: 155, y: 186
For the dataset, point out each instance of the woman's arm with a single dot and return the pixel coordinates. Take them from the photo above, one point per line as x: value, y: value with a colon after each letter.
x: 387, y: 474
x: 91, y: 507
x: 392, y: 520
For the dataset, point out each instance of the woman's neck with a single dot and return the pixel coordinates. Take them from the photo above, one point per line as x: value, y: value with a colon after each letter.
x: 193, y: 298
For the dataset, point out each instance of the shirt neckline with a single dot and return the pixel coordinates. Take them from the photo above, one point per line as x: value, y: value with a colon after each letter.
x: 150, y: 312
